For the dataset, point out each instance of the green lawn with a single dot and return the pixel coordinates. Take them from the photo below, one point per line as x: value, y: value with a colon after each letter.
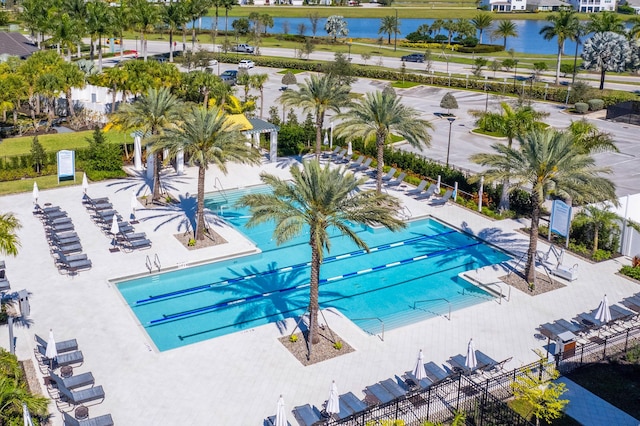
x: 57, y: 141
x: 44, y: 182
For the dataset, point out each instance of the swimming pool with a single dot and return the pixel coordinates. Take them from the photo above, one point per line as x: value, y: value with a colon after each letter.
x: 408, y: 276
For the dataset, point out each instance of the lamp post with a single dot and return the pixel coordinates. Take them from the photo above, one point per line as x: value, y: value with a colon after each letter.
x: 515, y: 74
x: 136, y: 44
x: 486, y: 102
x: 451, y: 120
x: 349, y: 44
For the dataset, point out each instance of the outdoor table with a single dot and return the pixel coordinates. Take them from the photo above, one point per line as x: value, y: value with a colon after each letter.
x: 66, y: 371
x: 81, y: 412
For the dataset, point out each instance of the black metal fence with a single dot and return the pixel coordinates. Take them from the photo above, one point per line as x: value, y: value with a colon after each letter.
x: 625, y: 112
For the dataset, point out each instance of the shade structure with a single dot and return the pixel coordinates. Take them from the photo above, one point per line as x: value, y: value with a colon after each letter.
x: 349, y: 148
x: 419, y: 372
x: 281, y: 415
x: 85, y: 183
x: 26, y: 415
x: 51, y: 352
x: 604, y: 313
x: 470, y: 362
x: 326, y: 138
x: 36, y: 192
x: 333, y: 403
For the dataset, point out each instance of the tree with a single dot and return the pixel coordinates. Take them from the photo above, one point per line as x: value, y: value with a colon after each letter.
x: 64, y: 34
x: 449, y: 102
x: 478, y: 64
x: 77, y: 10
x: 174, y: 16
x: 482, y: 21
x: 547, y: 161
x: 365, y: 56
x: 389, y: 25
x: 376, y: 116
x: 70, y: 76
x: 539, y: 68
x: 38, y: 154
x: 590, y: 139
x: 316, y: 200
x: 505, y: 29
x: 257, y: 81
x: 35, y: 15
x: 99, y: 22
x: 562, y: 26
x: 207, y: 136
x: 317, y: 95
x: 103, y: 156
x: 336, y: 27
x: 195, y: 9
x: 115, y: 78
x: 289, y: 78
x: 153, y: 114
x: 597, y: 220
x: 9, y: 240
x: 14, y: 392
x: 605, y: 22
x: 495, y: 65
x: 144, y: 17
x: 314, y: 19
x: 608, y: 51
x: 340, y: 69
x: 542, y: 396
x: 450, y: 27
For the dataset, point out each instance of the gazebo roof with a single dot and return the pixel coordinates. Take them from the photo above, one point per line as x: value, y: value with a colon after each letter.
x: 261, y: 126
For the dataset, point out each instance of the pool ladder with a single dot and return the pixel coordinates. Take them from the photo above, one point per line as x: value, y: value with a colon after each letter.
x: 372, y: 318
x: 156, y: 263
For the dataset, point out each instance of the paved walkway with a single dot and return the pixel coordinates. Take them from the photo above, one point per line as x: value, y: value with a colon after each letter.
x: 590, y: 410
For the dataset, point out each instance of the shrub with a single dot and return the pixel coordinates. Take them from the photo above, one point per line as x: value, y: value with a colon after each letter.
x: 337, y: 345
x: 630, y: 271
x: 595, y: 104
x: 192, y: 242
x: 520, y: 202
x: 481, y: 48
x: 581, y: 107
x: 293, y: 338
x: 601, y: 255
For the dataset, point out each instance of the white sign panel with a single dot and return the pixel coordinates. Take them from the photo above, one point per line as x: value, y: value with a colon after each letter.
x: 560, y: 218
x: 66, y: 165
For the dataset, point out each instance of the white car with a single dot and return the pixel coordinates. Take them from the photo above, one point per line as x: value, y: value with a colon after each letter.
x: 246, y: 63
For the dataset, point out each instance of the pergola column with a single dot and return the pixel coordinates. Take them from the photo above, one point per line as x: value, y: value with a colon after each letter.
x: 137, y: 153
x: 273, y: 146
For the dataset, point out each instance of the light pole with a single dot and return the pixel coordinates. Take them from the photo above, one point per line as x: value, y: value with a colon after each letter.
x: 515, y: 74
x: 136, y: 44
x: 486, y: 102
x: 349, y: 44
x: 451, y: 120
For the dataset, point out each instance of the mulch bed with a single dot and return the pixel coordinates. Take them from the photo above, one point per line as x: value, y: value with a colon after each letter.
x: 543, y: 284
x: 321, y: 351
x: 211, y: 238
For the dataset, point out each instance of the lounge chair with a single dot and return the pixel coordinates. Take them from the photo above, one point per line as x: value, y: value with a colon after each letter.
x: 413, y: 384
x: 68, y: 249
x: 306, y: 415
x: 377, y: 394
x: 106, y: 216
x: 67, y: 358
x: 58, y: 214
x: 73, y: 382
x: 389, y: 175
x: 428, y: 193
x: 4, y: 282
x: 393, y: 388
x: 485, y: 362
x: 61, y: 347
x: 104, y: 420
x: 364, y: 166
x: 418, y: 189
x: 74, y: 266
x: 131, y: 236
x: 130, y: 245
x: 335, y: 151
x: 345, y: 159
x: 357, y: 163
x: 82, y: 396
x: 434, y: 372
x: 397, y: 181
x: 67, y: 259
x: 87, y: 200
x: 632, y: 302
x: 457, y: 363
x: 345, y: 410
x: 353, y: 402
x: 67, y: 226
x: 439, y: 202
x: 65, y: 238
x: 339, y: 156
x: 57, y: 221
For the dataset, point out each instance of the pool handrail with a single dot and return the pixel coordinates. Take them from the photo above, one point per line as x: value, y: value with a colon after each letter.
x: 372, y: 318
x: 433, y: 300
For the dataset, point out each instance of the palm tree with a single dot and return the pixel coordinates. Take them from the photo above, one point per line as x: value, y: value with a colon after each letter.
x: 70, y: 76
x: 174, y: 16
x: 590, y: 139
x: 450, y: 26
x: 153, y: 114
x: 562, y: 25
x: 505, y: 29
x: 207, y: 136
x: 9, y: 241
x: 14, y: 392
x: 144, y: 16
x: 546, y: 162
x: 634, y: 32
x: 606, y: 22
x: 195, y: 9
x: 64, y: 34
x: 257, y: 81
x: 379, y: 114
x: 77, y: 10
x: 318, y: 95
x: 317, y: 200
x: 597, y: 219
x: 99, y: 23
x: 482, y: 21
x: 389, y: 25
x: 35, y: 15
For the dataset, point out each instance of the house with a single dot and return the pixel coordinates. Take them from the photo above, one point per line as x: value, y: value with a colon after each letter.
x: 15, y: 44
x: 504, y: 5
x: 547, y: 5
x: 588, y: 6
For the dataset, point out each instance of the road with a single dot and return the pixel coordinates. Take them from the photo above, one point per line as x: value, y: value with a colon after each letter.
x: 426, y: 99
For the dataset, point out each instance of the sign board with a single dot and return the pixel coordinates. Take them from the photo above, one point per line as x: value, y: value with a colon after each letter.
x: 66, y: 165
x: 560, y: 218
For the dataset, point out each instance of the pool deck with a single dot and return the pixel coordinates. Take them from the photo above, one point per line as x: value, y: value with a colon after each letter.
x: 236, y: 379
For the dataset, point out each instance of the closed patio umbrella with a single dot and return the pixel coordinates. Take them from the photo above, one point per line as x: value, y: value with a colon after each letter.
x: 114, y: 228
x: 333, y: 404
x: 349, y: 148
x: 134, y: 204
x: 281, y: 415
x: 604, y: 313
x: 85, y: 183
x: 419, y: 372
x: 51, y: 351
x: 470, y: 362
x: 326, y: 138
x: 26, y: 416
x: 36, y: 192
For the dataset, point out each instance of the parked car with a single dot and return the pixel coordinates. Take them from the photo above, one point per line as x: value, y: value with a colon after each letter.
x: 243, y: 48
x: 230, y: 77
x: 246, y: 63
x: 414, y: 57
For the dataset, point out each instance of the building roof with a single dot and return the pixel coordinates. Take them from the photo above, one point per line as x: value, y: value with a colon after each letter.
x: 261, y: 126
x: 550, y: 3
x: 15, y: 44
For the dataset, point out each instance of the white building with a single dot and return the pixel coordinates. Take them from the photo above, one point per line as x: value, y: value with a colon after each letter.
x: 504, y: 5
x: 547, y: 5
x: 588, y: 6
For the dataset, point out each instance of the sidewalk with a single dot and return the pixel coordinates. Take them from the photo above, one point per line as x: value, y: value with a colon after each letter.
x: 591, y: 410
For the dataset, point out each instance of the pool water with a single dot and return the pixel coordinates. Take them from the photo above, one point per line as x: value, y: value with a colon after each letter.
x: 408, y: 276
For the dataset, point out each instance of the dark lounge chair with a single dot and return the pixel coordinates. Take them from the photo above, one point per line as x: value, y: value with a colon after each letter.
x: 67, y: 358
x: 364, y: 166
x: 434, y: 372
x: 428, y: 193
x: 443, y: 200
x: 130, y: 245
x: 306, y: 415
x: 397, y: 181
x: 353, y: 402
x: 61, y: 347
x: 377, y: 394
x: 73, y: 382
x: 389, y: 175
x: 73, y: 266
x: 357, y: 163
x: 82, y: 396
x: 104, y: 420
x: 418, y: 189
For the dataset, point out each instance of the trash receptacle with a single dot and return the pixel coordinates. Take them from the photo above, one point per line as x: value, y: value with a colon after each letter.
x: 566, y: 344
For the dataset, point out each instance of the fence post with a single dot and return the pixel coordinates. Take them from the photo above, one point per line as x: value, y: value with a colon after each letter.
x: 626, y: 342
x: 581, y: 353
x: 428, y: 402
x: 604, y: 351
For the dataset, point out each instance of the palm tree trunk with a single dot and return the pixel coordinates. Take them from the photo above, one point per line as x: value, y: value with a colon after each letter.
x: 114, y: 95
x: 595, y: 240
x: 504, y: 44
x: 530, y: 269
x: 100, y: 53
x: 72, y: 112
x: 558, y: 64
x: 602, y: 72
x: 480, y: 41
x: 156, y: 176
x: 380, y: 159
x: 170, y: 45
x: 319, y: 121
x: 79, y: 50
x: 200, y: 212
x: 314, y: 292
x: 504, y: 196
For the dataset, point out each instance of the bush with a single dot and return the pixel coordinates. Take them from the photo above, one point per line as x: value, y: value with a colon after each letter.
x: 579, y: 248
x: 601, y: 255
x: 595, y: 104
x: 630, y: 271
x: 581, y: 107
x: 481, y: 48
x: 520, y: 202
